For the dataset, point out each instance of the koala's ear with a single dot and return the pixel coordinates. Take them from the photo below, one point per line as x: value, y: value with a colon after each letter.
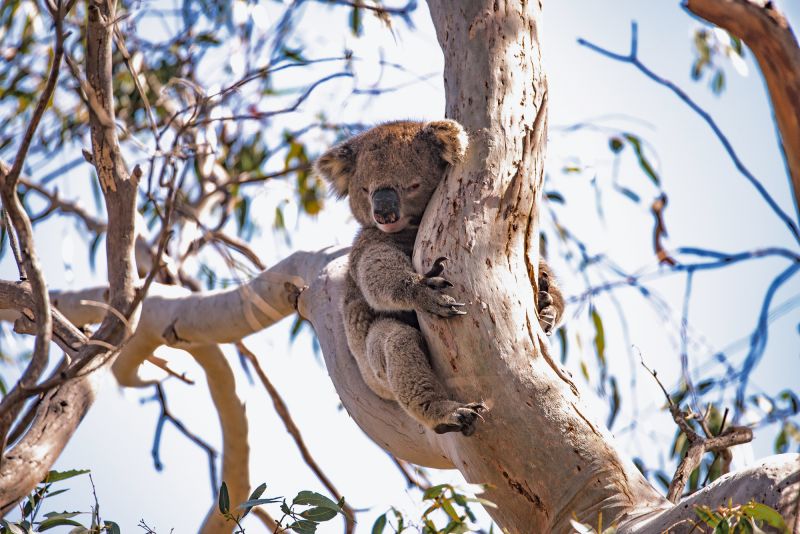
x: 451, y: 137
x: 336, y: 166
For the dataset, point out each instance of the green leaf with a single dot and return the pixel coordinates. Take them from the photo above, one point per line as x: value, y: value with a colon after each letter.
x: 111, y: 527
x: 258, y: 492
x: 762, y: 512
x: 319, y: 514
x: 648, y: 169
x: 312, y: 498
x: 55, y: 476
x: 718, y: 82
x: 599, y: 336
x: 707, y: 516
x: 224, y: 499
x: 258, y: 502
x: 304, y: 526
x: 554, y: 196
x: 562, y: 338
x: 379, y: 524
x: 355, y: 21
x: 434, y: 491
x: 54, y: 519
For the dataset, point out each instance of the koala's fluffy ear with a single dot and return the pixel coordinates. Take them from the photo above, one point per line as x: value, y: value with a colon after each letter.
x: 451, y: 137
x: 336, y: 166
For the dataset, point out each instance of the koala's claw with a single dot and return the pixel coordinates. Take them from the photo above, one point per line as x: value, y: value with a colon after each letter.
x: 430, y: 296
x: 438, y: 267
x: 437, y: 282
x: 462, y: 419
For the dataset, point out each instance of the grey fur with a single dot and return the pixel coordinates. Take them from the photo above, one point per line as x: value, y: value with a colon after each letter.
x: 383, y: 289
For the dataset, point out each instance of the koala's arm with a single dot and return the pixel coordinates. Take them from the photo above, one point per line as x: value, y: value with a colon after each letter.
x: 385, y: 276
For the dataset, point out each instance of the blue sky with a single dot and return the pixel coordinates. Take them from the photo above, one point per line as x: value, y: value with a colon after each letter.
x: 710, y: 206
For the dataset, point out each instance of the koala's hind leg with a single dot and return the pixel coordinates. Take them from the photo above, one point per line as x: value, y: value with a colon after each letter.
x: 358, y: 319
x: 398, y: 352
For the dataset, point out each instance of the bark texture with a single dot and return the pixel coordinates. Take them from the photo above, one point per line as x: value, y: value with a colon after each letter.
x: 540, y: 448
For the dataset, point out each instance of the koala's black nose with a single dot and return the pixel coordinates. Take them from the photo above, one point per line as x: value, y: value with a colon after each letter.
x: 385, y: 206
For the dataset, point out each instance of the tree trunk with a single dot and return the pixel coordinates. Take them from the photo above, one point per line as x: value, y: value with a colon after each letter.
x: 544, y: 456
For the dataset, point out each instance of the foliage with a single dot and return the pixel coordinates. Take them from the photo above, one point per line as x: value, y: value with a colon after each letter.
x: 712, y: 47
x: 303, y: 515
x: 740, y: 519
x: 30, y: 520
x: 449, y: 512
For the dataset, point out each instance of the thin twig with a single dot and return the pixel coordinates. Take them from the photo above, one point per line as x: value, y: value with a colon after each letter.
x: 283, y: 412
x: 165, y: 416
x: 698, y: 446
x: 633, y: 59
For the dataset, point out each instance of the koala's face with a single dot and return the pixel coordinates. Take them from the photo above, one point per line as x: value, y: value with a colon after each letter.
x: 390, y: 171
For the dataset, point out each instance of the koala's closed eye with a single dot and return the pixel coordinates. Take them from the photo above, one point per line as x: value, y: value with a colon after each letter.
x: 413, y: 187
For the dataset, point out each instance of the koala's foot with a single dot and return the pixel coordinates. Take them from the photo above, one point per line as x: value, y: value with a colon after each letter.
x: 451, y: 416
x: 548, y: 313
x: 430, y: 297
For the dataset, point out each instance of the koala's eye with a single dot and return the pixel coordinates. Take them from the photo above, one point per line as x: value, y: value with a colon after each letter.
x: 364, y: 189
x: 413, y: 187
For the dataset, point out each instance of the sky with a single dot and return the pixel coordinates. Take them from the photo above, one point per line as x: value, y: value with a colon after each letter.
x: 710, y: 206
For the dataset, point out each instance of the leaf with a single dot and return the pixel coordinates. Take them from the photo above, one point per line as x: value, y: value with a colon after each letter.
x: 355, y: 21
x: 319, y: 514
x: 93, y: 247
x: 379, y: 524
x: 224, y: 499
x: 434, y: 491
x: 554, y: 196
x: 707, y: 516
x: 13, y: 528
x: 562, y: 338
x: 648, y: 169
x: 55, y: 519
x: 630, y: 194
x: 781, y: 442
x: 112, y: 528
x: 56, y: 476
x: 258, y: 492
x: 599, y: 336
x: 718, y: 82
x: 769, y: 515
x: 312, y: 498
x: 303, y: 526
x: 614, y: 402
x: 258, y: 502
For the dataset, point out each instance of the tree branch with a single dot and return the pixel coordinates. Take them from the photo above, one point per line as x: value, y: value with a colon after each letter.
x: 283, y: 412
x: 768, y: 34
x: 633, y: 59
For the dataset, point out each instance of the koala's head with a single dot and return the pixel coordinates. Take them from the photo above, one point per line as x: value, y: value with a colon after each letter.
x: 390, y: 171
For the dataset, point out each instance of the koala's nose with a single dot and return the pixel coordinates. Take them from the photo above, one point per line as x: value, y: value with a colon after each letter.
x: 385, y: 206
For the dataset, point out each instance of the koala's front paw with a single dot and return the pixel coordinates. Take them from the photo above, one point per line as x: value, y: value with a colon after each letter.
x: 549, y: 313
x: 451, y: 416
x: 430, y: 297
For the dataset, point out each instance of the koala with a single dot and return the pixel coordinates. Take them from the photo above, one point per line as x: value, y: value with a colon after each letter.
x: 389, y: 174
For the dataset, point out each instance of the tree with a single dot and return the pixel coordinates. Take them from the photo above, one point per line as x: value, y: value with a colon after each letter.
x: 496, y: 87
